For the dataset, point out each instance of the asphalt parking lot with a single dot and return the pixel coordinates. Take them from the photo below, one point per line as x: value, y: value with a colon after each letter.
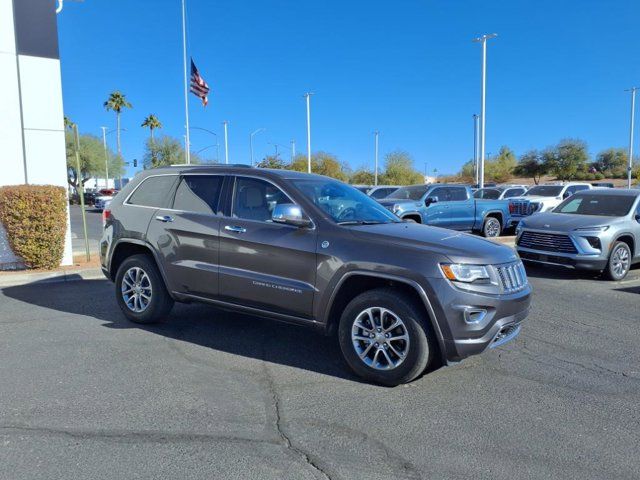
x: 94, y: 228
x: 209, y: 394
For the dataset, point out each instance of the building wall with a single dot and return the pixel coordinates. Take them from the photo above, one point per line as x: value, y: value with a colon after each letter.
x: 32, y: 145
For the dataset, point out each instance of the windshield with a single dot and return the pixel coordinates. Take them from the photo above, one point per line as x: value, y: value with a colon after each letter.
x: 487, y: 194
x: 343, y: 203
x: 590, y: 204
x: 545, y: 191
x: 413, y: 192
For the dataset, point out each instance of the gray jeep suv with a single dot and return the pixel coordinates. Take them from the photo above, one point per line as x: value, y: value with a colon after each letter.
x: 311, y: 250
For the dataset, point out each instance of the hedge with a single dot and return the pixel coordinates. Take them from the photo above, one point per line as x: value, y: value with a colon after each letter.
x: 35, y: 219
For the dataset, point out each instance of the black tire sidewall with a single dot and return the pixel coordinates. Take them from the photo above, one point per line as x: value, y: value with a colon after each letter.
x: 421, y: 345
x: 610, y: 273
x: 160, y: 303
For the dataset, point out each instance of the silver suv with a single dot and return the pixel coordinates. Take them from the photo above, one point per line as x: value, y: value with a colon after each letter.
x: 593, y: 229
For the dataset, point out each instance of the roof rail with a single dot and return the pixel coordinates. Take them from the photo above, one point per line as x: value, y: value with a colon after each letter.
x: 220, y: 165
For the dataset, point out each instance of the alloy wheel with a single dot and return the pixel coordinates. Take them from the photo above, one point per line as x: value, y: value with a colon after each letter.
x: 492, y: 227
x: 620, y: 261
x: 380, y: 338
x: 136, y: 289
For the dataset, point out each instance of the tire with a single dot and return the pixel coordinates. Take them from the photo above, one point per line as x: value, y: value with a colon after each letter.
x: 491, y: 227
x: 149, y: 285
x: 619, y: 262
x: 418, y: 351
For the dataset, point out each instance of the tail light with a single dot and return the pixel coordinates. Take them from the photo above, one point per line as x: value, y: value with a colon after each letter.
x: 512, y: 208
x: 106, y: 215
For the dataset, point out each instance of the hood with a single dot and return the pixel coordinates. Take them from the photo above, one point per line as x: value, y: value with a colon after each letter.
x: 458, y: 247
x: 565, y: 222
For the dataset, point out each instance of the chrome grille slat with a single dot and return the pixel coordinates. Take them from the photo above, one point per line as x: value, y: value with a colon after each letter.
x: 512, y: 276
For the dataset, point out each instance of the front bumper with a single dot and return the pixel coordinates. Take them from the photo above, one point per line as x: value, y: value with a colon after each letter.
x: 568, y: 260
x: 471, y: 323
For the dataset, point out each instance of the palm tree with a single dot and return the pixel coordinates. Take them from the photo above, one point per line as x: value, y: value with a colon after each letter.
x: 117, y: 102
x: 68, y: 123
x: 151, y: 122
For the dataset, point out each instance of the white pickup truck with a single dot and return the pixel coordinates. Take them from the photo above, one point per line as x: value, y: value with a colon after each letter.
x: 543, y: 198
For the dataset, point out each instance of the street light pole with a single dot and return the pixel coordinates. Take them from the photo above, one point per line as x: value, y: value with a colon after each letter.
x: 251, y: 141
x: 293, y: 150
x: 106, y: 156
x: 483, y: 40
x: 308, y: 97
x: 375, y: 173
x: 633, y: 111
x: 475, y: 147
x: 186, y: 90
x: 226, y: 142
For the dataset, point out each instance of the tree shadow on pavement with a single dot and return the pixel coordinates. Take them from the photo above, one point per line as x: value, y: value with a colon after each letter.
x: 200, y: 324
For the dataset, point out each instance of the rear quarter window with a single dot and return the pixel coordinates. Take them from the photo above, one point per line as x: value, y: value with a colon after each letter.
x: 154, y: 192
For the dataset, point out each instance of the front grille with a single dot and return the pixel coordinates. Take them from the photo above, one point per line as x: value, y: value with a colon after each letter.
x: 547, y: 242
x: 512, y: 277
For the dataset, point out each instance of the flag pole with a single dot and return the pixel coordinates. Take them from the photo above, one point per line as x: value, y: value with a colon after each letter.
x: 187, y: 152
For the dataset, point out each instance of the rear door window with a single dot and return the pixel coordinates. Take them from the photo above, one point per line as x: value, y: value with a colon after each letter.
x: 154, y: 192
x: 458, y: 194
x: 198, y: 194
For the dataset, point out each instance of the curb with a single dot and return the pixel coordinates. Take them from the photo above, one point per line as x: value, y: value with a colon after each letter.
x: 28, y: 278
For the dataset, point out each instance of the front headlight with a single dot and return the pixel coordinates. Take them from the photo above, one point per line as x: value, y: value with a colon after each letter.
x: 396, y: 208
x: 464, y: 273
x: 519, y: 227
x: 599, y: 228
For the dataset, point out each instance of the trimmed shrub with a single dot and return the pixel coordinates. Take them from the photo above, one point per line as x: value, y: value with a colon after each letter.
x: 35, y: 219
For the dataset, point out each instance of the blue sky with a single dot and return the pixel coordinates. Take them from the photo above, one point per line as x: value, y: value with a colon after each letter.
x: 406, y: 68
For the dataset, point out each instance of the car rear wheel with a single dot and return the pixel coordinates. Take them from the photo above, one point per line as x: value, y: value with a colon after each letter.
x: 385, y: 337
x: 140, y: 290
x: 491, y: 227
x: 619, y: 261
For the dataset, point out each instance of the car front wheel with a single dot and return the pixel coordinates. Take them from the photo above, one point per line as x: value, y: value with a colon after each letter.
x: 619, y: 261
x: 140, y: 290
x: 385, y: 337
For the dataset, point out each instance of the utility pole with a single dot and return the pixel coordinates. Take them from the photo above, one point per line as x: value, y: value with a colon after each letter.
x: 255, y: 132
x: 187, y: 153
x: 483, y: 40
x: 226, y: 142
x: 293, y: 150
x: 308, y: 97
x: 476, y: 117
x: 375, y: 173
x: 106, y: 156
x: 80, y: 188
x: 633, y: 112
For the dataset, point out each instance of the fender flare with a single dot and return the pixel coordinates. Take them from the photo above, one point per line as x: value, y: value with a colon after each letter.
x: 141, y: 243
x: 412, y: 283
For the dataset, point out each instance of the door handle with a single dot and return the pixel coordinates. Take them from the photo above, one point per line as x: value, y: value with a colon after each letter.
x: 164, y: 218
x: 235, y: 229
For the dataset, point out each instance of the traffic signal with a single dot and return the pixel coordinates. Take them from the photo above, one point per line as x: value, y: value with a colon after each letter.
x: 135, y: 162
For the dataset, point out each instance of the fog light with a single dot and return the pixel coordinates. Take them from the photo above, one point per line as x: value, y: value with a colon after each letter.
x: 594, y: 242
x: 474, y: 315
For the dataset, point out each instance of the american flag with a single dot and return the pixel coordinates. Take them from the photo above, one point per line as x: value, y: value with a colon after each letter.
x: 198, y: 86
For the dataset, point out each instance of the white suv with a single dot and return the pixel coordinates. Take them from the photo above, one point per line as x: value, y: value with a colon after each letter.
x: 543, y: 198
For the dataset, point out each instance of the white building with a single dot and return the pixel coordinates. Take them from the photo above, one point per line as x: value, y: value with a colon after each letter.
x: 32, y: 145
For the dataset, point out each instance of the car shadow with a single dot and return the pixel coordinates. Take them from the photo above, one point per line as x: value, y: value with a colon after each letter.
x: 536, y: 270
x: 200, y: 324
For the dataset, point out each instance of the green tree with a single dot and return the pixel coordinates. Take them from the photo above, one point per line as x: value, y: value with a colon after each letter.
x: 612, y: 162
x: 322, y: 163
x: 362, y: 176
x: 500, y: 168
x: 566, y: 159
x: 272, y: 161
x: 399, y: 170
x: 166, y: 151
x: 68, y: 123
x: 117, y: 102
x: 151, y: 122
x: 92, y: 159
x: 467, y: 172
x: 531, y: 165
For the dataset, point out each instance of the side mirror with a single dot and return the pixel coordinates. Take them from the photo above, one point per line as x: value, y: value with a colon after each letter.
x: 566, y: 195
x: 429, y: 200
x: 638, y: 217
x: 289, y: 214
